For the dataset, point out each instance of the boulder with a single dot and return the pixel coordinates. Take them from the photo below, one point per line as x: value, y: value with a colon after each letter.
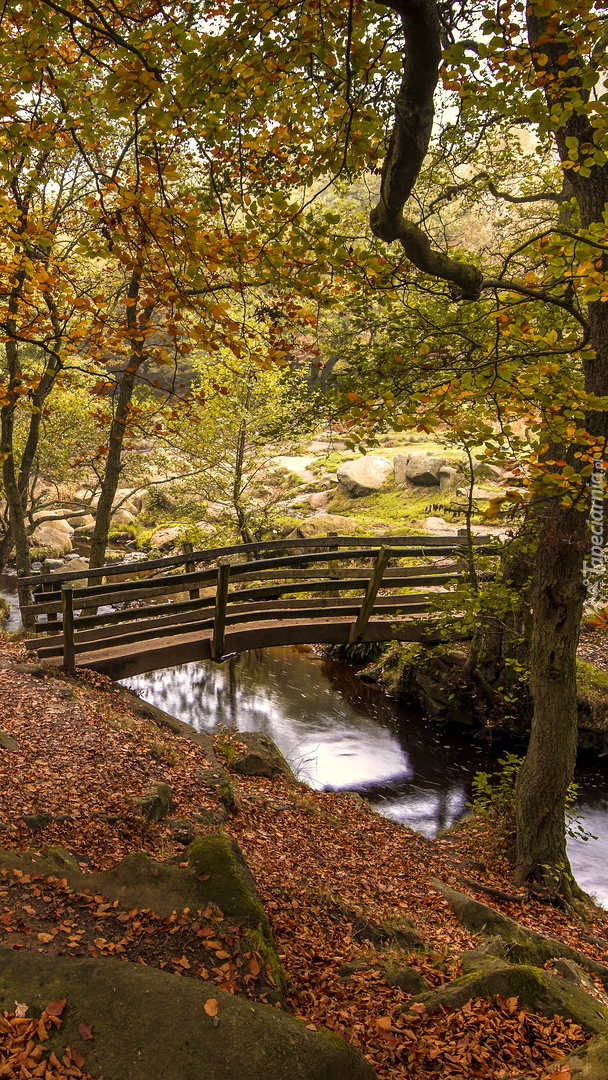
x: 479, y: 492
x: 324, y: 525
x: 7, y: 742
x: 157, y: 803
x: 365, y: 475
x: 261, y: 757
x: 151, y: 1025
x: 421, y: 469
x: 318, y: 499
x: 81, y: 521
x: 167, y: 537
x: 449, y: 478
x: 77, y: 563
x: 56, y: 518
x: 588, y: 1062
x: 50, y: 536
x: 122, y: 516
x: 440, y: 526
x: 129, y: 499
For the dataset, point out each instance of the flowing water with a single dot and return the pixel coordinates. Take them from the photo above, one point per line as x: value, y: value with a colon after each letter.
x: 341, y: 734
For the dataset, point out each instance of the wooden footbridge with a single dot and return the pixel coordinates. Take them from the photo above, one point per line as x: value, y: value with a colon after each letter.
x: 208, y: 604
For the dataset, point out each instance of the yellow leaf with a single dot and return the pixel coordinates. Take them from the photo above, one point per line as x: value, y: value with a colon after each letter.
x: 211, y: 1006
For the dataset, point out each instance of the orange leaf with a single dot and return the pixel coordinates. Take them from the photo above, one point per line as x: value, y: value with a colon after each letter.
x: 384, y: 1022
x: 85, y: 1031
x: 211, y: 1006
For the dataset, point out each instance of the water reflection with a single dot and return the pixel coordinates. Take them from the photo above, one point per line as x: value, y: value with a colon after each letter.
x: 337, y: 732
x: 8, y: 590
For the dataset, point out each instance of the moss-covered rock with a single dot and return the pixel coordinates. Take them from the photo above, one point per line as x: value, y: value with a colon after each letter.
x: 521, y: 945
x: 151, y: 1025
x: 216, y: 780
x: 157, y: 803
x: 590, y: 1062
x: 541, y: 991
x: 218, y: 874
x: 261, y: 756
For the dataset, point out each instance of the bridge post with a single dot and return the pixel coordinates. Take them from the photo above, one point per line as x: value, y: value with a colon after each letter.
x: 221, y: 600
x: 67, y: 608
x: 358, y: 628
x: 189, y: 567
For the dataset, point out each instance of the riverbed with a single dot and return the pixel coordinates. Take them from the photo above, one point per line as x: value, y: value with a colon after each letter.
x: 341, y: 734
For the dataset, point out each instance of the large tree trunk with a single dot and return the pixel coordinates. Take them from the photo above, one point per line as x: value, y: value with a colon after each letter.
x: 558, y: 588
x: 557, y: 599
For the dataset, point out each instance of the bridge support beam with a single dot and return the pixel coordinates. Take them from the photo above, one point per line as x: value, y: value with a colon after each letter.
x: 221, y: 600
x: 358, y: 628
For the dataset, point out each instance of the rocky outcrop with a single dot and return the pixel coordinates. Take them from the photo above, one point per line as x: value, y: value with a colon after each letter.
x: 365, y: 475
x: 56, y: 535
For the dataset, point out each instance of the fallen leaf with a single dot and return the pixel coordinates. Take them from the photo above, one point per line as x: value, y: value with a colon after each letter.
x: 20, y: 1008
x: 85, y: 1031
x: 384, y: 1022
x: 55, y: 1008
x: 211, y: 1006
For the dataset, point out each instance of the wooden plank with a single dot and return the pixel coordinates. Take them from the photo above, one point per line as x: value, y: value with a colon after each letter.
x: 362, y: 571
x: 189, y: 567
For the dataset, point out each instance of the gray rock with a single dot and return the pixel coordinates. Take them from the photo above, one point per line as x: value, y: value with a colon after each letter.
x: 37, y: 670
x: 421, y: 469
x: 449, y: 478
x: 318, y: 499
x: 479, y: 492
x: 37, y: 821
x: 81, y: 521
x: 542, y: 992
x: 521, y: 945
x: 166, y: 537
x: 51, y: 566
x: 262, y: 757
x: 122, y: 516
x: 74, y: 562
x: 365, y: 475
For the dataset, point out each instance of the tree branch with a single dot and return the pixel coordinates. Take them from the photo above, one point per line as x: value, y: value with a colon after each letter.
x: 408, y: 146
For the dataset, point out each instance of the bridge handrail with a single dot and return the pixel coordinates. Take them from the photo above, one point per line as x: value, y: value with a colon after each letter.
x: 211, y: 554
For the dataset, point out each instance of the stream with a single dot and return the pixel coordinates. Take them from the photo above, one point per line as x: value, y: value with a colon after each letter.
x: 341, y: 734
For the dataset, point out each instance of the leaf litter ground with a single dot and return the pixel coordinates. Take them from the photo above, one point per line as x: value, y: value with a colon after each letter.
x: 334, y: 878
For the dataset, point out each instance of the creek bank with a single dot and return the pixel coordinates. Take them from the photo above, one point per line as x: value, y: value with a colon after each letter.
x: 436, y: 680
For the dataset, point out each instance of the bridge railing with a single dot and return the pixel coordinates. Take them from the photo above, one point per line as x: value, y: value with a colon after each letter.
x: 297, y: 580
